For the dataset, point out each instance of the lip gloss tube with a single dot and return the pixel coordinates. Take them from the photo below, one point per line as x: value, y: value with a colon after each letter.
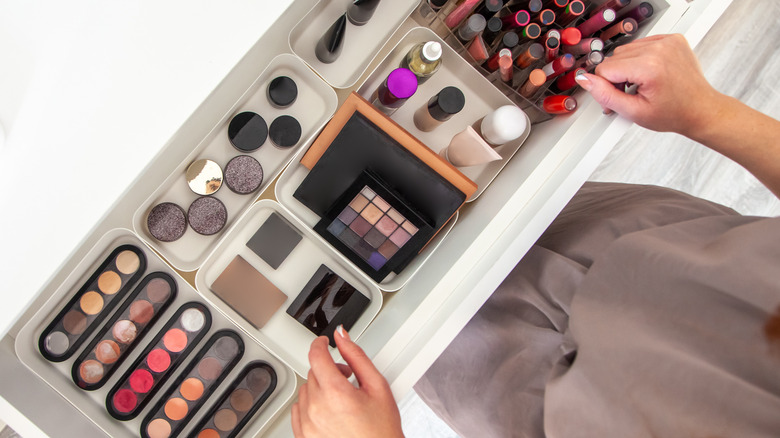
x: 625, y: 27
x: 545, y: 17
x: 489, y: 8
x: 572, y: 12
x: 460, y: 13
x: 567, y: 82
x: 531, y: 32
x: 535, y: 80
x: 508, y: 41
x: 640, y: 13
x: 559, y: 104
x: 570, y: 36
x: 518, y: 19
x: 491, y: 64
x: 471, y: 27
x: 533, y: 53
x: 597, y: 22
x: 590, y: 61
x: 478, y: 50
x: 533, y: 6
x: 505, y: 68
x: 552, y: 42
x: 585, y: 46
x: 560, y: 65
x: 615, y: 5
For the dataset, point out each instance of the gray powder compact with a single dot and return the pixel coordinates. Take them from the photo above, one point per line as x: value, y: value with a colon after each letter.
x: 207, y: 215
x: 243, y: 174
x: 166, y: 222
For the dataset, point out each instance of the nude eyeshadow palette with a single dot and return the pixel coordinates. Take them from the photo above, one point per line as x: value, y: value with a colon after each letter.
x: 124, y: 331
x: 92, y: 302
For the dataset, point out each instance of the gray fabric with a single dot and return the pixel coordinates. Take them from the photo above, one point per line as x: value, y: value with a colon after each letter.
x: 667, y: 294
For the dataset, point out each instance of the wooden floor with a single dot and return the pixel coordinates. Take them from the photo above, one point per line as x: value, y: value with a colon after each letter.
x: 740, y: 58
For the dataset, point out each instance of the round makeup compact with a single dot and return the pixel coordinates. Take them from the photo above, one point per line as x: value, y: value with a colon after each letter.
x: 166, y: 222
x: 243, y: 174
x: 207, y: 215
x: 247, y: 131
x: 285, y: 131
x: 204, y: 177
x: 282, y: 92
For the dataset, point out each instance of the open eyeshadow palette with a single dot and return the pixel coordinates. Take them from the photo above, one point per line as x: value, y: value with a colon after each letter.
x: 156, y: 359
x: 271, y: 257
x: 186, y: 216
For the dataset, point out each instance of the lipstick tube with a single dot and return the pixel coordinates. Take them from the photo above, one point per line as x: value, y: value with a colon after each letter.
x: 552, y: 43
x: 491, y: 64
x: 471, y: 27
x: 559, y: 104
x: 489, y: 8
x: 533, y: 53
x: 478, y: 50
x: 505, y: 68
x: 590, y: 61
x: 640, y: 13
x: 508, y: 41
x: 531, y: 32
x: 535, y: 80
x: 533, y: 6
x: 545, y: 17
x: 518, y: 19
x: 570, y: 36
x: 615, y: 5
x: 492, y: 30
x: 560, y: 65
x: 585, y: 46
x: 567, y: 82
x: 626, y: 27
x: 556, y: 3
x: 571, y: 12
x: 597, y: 22
x: 460, y: 13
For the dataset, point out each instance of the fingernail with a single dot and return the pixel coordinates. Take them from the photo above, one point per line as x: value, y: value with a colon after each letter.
x: 340, y: 330
x: 583, y: 81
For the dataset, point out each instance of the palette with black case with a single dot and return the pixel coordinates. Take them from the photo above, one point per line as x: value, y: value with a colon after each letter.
x: 374, y: 227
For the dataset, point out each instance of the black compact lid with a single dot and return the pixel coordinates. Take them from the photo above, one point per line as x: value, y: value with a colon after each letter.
x: 282, y: 91
x: 449, y: 101
x: 438, y: 3
x: 247, y: 131
x: 285, y: 131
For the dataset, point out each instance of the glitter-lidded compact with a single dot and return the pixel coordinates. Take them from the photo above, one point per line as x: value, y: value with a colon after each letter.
x: 374, y: 228
x: 166, y: 222
x: 243, y: 174
x: 247, y: 131
x: 204, y: 177
x: 207, y: 215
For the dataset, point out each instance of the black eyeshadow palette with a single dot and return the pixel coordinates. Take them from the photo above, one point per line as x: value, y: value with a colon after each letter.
x: 374, y: 228
x: 326, y: 302
x: 93, y: 301
x: 274, y: 240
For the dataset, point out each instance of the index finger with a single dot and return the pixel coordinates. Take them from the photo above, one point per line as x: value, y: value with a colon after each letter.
x: 322, y: 365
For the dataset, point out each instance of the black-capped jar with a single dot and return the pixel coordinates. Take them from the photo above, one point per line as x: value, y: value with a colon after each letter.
x: 439, y: 108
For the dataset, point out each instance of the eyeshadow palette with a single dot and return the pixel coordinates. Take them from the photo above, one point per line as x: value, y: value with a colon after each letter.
x: 194, y: 386
x: 274, y: 240
x: 237, y: 405
x: 374, y: 228
x: 187, y: 227
x: 95, y: 299
x: 233, y: 265
x: 158, y: 361
x: 123, y: 331
x: 95, y: 403
x: 326, y: 302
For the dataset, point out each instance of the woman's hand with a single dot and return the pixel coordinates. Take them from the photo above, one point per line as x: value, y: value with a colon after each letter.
x: 330, y: 406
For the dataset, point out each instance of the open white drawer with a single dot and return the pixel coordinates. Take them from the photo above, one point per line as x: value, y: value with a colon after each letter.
x: 492, y: 234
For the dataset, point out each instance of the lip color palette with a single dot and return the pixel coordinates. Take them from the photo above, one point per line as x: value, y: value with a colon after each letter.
x: 197, y: 382
x: 374, y: 228
x: 154, y: 366
x: 239, y: 403
x: 92, y: 303
x: 123, y: 331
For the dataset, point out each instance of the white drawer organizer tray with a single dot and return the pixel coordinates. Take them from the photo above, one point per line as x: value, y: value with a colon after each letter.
x: 414, y: 324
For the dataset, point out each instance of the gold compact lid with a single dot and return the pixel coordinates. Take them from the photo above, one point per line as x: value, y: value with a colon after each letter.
x: 204, y: 177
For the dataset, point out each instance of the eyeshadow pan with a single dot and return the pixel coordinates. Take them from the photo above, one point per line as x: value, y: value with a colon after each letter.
x: 274, y: 240
x: 192, y: 320
x: 371, y: 213
x: 360, y: 226
x: 337, y: 227
x: 400, y: 237
x: 127, y: 262
x: 396, y: 216
x: 349, y: 237
x: 126, y: 327
x: 160, y: 359
x: 248, y: 292
x: 381, y: 204
x: 158, y: 290
x: 388, y: 249
x: 326, y: 302
x: 197, y: 382
x: 348, y: 215
x: 375, y: 238
x: 386, y: 226
x: 359, y: 203
x: 159, y: 429
x: 109, y: 282
x: 91, y: 371
x: 409, y: 227
x: 166, y: 222
x: 91, y: 303
x: 141, y: 381
x: 238, y: 403
x: 74, y: 322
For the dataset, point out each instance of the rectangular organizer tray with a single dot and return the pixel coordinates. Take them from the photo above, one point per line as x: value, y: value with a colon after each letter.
x: 92, y: 403
x: 315, y: 104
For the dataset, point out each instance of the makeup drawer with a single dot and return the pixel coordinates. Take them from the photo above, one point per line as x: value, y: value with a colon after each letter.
x: 417, y: 322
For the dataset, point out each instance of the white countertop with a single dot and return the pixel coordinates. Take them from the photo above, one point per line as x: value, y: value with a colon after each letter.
x: 89, y: 92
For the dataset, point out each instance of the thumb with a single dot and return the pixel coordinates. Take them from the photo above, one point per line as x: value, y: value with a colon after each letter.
x: 605, y: 93
x: 366, y: 373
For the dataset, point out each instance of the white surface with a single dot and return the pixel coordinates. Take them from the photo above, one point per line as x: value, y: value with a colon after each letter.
x: 89, y: 92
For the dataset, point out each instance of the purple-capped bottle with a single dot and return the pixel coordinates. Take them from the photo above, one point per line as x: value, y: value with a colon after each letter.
x: 399, y: 86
